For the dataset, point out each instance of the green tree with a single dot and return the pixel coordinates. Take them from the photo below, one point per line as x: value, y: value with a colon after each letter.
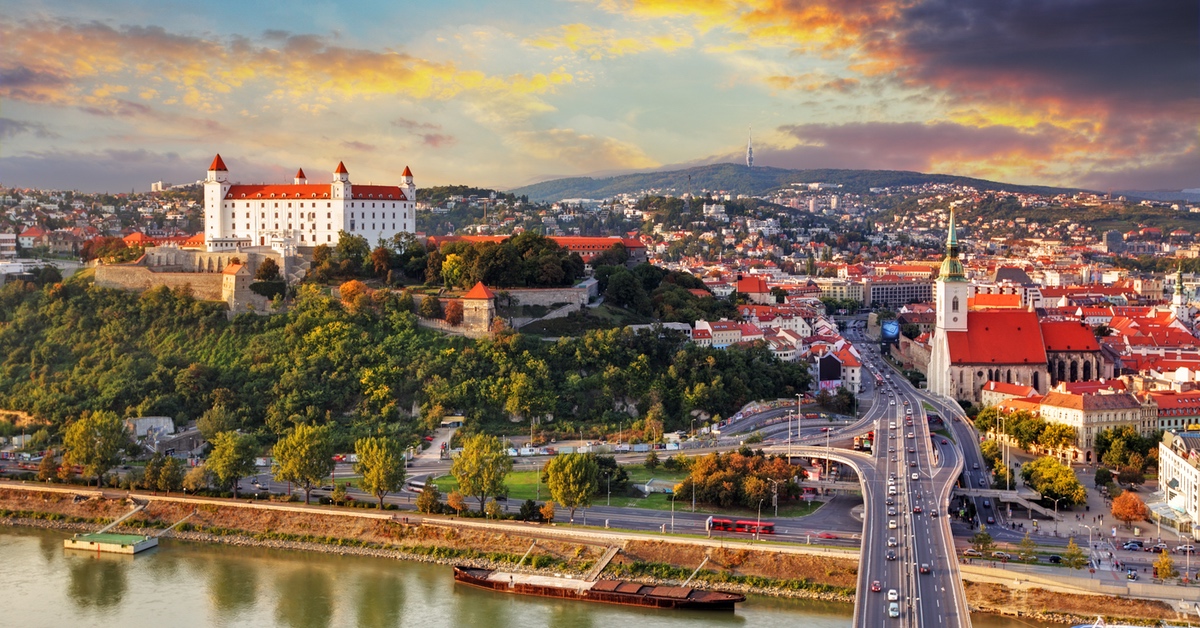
x: 95, y: 442
x: 304, y: 457
x: 381, y: 465
x: 48, y: 468
x: 1164, y: 567
x: 1054, y: 480
x: 431, y: 307
x: 651, y: 460
x: 232, y: 459
x: 481, y: 468
x: 351, y: 252
x: 429, y: 501
x: 268, y: 270
x: 215, y: 420
x: 493, y: 509
x: 455, y: 272
x: 197, y: 479
x: 1103, y: 477
x: 1028, y: 548
x: 982, y: 541
x: 572, y: 480
x: 170, y: 477
x: 1073, y: 556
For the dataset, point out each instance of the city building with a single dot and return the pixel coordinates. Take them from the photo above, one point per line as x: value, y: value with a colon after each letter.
x: 8, y: 245
x: 1179, y: 480
x: 894, y: 292
x: 305, y: 214
x: 1093, y: 413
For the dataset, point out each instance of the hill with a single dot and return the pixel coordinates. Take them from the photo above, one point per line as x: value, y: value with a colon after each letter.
x: 738, y: 179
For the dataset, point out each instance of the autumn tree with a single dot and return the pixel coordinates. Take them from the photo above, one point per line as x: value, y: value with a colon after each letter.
x: 381, y: 465
x: 1164, y: 567
x: 429, y: 501
x: 354, y: 293
x: 95, y: 442
x: 572, y: 480
x: 547, y: 511
x: 456, y: 501
x: 268, y: 270
x: 48, y: 468
x: 232, y: 459
x: 481, y: 468
x: 454, y: 312
x: 1073, y: 556
x: 304, y: 457
x: 197, y: 479
x: 381, y: 260
x: 1128, y: 507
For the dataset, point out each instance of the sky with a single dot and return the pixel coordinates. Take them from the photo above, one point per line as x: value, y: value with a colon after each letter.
x: 114, y: 95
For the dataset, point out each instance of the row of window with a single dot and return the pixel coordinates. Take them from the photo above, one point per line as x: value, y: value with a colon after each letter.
x: 262, y: 205
x: 312, y: 215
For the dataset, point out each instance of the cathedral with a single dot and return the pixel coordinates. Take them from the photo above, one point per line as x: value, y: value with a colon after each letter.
x: 974, y: 345
x: 303, y: 214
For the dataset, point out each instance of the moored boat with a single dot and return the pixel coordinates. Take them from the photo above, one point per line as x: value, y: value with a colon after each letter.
x: 605, y: 591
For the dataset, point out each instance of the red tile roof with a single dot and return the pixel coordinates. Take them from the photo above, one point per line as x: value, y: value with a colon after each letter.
x: 1068, y: 336
x: 300, y: 174
x: 407, y: 172
x: 480, y: 291
x: 998, y: 337
x: 217, y: 164
x: 1010, y: 389
x: 994, y: 300
x: 233, y: 269
x: 752, y: 285
x: 341, y: 169
x: 309, y: 191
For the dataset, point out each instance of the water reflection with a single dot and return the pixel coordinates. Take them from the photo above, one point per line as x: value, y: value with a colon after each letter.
x: 232, y: 587
x: 50, y: 547
x: 473, y: 607
x: 97, y: 581
x: 305, y: 598
x: 380, y: 600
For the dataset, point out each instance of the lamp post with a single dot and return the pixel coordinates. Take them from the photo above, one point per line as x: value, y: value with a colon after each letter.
x: 758, y: 524
x: 608, y: 478
x: 1089, y: 528
x: 1055, y: 514
x: 672, y: 511
x: 775, y: 495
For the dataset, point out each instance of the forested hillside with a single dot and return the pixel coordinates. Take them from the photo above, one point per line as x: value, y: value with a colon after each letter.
x: 72, y: 347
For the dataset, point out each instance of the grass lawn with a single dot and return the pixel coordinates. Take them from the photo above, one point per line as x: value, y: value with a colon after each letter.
x: 576, y: 324
x: 928, y: 407
x: 522, y: 485
x: 945, y: 433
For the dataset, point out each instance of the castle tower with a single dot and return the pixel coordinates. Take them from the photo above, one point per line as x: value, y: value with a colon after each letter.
x: 216, y: 186
x: 479, y: 308
x: 750, y: 148
x: 300, y: 178
x: 410, y: 188
x: 1179, y: 300
x: 951, y: 293
x: 340, y: 188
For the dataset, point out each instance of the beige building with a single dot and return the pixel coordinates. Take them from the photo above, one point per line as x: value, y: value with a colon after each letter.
x: 1089, y: 414
x: 839, y: 289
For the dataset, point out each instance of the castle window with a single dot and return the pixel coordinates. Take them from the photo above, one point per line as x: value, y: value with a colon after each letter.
x: 329, y: 238
x: 954, y: 304
x: 328, y: 215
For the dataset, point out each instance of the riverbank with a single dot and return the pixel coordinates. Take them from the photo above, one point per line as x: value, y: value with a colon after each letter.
x: 778, y: 571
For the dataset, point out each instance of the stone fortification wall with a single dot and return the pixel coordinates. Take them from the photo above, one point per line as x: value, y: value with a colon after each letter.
x: 204, y: 286
x: 547, y: 296
x: 465, y: 329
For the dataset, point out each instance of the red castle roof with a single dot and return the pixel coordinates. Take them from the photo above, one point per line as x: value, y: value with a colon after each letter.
x: 407, y: 172
x: 302, y: 191
x: 480, y: 291
x: 341, y: 169
x: 218, y: 164
x: 998, y: 337
x: 300, y: 174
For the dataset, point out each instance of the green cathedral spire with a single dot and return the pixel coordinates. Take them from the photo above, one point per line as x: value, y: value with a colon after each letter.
x: 952, y: 268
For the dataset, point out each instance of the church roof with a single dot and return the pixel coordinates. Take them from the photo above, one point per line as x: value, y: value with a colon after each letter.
x: 218, y: 163
x: 998, y: 337
x: 1068, y: 336
x: 480, y: 291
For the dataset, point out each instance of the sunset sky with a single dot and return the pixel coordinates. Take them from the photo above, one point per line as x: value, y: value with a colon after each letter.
x: 114, y: 95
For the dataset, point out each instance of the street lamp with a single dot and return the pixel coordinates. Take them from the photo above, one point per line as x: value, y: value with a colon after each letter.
x: 1089, y: 528
x: 775, y: 495
x: 1055, y: 500
x: 608, y: 477
x: 672, y: 511
x: 758, y: 525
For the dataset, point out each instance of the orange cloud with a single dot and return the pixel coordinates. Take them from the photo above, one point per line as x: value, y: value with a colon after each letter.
x: 588, y: 153
x: 602, y: 43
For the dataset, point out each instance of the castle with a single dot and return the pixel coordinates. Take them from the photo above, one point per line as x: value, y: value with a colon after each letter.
x: 302, y: 214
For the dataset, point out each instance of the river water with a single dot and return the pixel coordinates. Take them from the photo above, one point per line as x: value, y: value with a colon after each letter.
x: 194, y: 584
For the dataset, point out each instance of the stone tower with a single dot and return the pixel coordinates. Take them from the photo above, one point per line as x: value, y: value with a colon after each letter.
x: 479, y: 308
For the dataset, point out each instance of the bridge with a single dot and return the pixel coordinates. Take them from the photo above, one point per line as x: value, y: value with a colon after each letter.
x: 1026, y: 498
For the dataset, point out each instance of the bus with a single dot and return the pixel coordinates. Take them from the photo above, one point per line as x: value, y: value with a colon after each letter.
x: 751, y: 527
x: 721, y: 525
x: 417, y: 485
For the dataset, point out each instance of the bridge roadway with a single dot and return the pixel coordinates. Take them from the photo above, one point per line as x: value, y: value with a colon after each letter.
x: 929, y: 600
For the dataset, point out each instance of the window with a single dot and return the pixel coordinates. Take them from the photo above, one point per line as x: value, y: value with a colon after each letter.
x: 954, y: 304
x: 328, y: 215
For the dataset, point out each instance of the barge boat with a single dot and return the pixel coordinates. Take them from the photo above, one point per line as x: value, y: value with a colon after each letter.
x: 606, y: 591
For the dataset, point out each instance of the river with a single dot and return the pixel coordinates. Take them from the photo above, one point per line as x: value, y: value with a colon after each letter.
x: 195, y: 584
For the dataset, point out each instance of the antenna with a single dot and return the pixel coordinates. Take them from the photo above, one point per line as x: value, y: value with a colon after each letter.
x: 750, y: 147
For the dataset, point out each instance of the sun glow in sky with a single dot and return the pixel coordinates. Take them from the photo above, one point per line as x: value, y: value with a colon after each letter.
x: 114, y: 95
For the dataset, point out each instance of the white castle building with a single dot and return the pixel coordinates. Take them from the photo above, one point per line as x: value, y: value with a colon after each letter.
x: 302, y: 213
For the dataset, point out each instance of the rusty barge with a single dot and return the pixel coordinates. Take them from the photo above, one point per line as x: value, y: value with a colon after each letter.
x: 604, y: 591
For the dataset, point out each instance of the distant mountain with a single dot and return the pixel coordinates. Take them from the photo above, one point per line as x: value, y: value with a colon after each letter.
x: 1190, y: 195
x: 738, y: 179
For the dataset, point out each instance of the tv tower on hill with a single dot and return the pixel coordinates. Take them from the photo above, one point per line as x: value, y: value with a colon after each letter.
x: 750, y: 148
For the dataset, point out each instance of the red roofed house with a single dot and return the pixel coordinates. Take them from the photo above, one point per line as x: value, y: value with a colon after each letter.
x: 479, y: 308
x: 307, y: 214
x: 31, y: 237
x: 755, y: 289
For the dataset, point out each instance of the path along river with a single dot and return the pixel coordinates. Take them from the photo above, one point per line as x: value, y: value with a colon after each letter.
x: 191, y: 584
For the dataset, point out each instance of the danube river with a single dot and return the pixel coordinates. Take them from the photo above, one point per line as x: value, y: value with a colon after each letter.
x: 192, y: 584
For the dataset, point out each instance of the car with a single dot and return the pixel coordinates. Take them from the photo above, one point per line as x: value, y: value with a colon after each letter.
x: 1188, y: 548
x: 891, y: 425
x: 891, y: 490
x: 933, y: 513
x: 916, y: 510
x: 1054, y: 558
x: 892, y: 511
x: 892, y: 541
x: 1032, y: 558
x: 975, y: 466
x: 894, y: 459
x: 890, y: 501
x: 891, y: 450
x: 972, y: 552
x: 894, y: 609
x: 912, y: 463
x: 945, y: 442
x: 893, y: 402
x: 891, y: 555
x: 906, y: 402
x: 914, y: 477
x: 1131, y: 574
x: 983, y: 482
x: 924, y: 567
x: 1132, y: 545
x: 891, y: 524
x: 912, y: 435
x: 876, y: 587
x: 893, y: 595
x: 987, y: 503
x: 991, y: 520
x: 912, y: 450
x: 1157, y: 549
x: 1001, y: 556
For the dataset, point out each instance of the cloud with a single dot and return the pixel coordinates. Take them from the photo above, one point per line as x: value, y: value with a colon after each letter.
x: 598, y: 43
x: 110, y: 170
x: 582, y: 152
x: 815, y: 82
x: 438, y: 140
x: 13, y: 128
x: 359, y: 146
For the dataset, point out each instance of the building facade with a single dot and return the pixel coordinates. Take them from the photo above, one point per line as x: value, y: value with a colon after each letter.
x: 306, y: 214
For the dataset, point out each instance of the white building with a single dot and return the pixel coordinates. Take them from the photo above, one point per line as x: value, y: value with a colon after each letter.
x: 307, y: 214
x: 1179, y: 478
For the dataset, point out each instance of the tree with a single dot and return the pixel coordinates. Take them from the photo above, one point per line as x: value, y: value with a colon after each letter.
x: 456, y: 502
x: 454, y: 312
x: 493, y: 509
x: 431, y: 307
x: 982, y: 541
x: 1103, y: 477
x: 529, y: 511
x: 1054, y: 480
x: 1164, y: 567
x: 215, y: 420
x: 196, y: 480
x: 572, y: 480
x: 48, y: 468
x: 381, y: 465
x: 481, y: 468
x: 154, y: 470
x: 268, y: 270
x: 170, y: 477
x: 232, y: 459
x: 429, y: 501
x: 304, y: 457
x: 1028, y: 547
x: 95, y: 442
x: 1128, y: 507
x: 547, y: 511
x: 651, y: 461
x: 381, y: 260
x: 1073, y: 557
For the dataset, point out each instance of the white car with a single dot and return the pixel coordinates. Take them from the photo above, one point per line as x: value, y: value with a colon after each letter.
x: 891, y: 524
x: 914, y: 477
x: 893, y: 402
x: 893, y: 595
x: 894, y: 609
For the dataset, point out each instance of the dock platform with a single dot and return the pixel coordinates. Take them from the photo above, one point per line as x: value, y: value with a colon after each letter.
x: 111, y: 543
